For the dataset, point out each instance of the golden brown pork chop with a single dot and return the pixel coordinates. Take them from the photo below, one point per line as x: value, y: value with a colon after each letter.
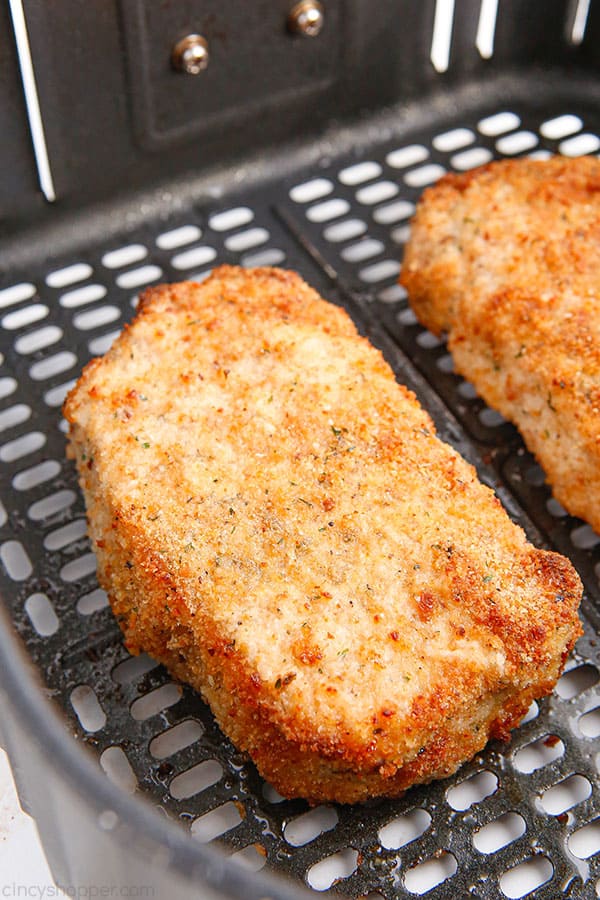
x: 276, y: 522
x: 506, y: 260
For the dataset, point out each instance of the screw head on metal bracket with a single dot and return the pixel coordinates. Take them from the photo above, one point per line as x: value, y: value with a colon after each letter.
x: 190, y: 54
x: 306, y: 18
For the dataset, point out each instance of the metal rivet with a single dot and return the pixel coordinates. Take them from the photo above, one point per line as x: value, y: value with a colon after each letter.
x: 306, y: 18
x: 190, y: 54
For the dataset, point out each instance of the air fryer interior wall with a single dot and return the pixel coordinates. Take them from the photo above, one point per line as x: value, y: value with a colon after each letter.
x: 237, y: 168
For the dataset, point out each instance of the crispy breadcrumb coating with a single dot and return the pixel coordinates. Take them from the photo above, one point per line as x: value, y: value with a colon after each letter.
x: 506, y: 260
x: 277, y: 523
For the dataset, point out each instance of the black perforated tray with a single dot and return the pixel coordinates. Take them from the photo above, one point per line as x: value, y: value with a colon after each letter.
x: 342, y: 225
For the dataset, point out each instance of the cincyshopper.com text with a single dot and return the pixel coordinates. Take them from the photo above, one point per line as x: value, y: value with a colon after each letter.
x: 77, y: 891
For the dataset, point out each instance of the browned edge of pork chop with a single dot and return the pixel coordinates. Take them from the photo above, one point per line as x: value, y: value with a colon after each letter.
x: 276, y: 522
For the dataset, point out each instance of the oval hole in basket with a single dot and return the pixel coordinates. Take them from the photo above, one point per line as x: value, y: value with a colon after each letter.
x: 467, y: 390
x: 37, y: 340
x: 87, y: 708
x: 330, y: 209
x: 68, y: 275
x: 25, y: 316
x: 538, y: 754
x: 584, y: 537
x: 52, y: 365
x: 30, y: 478
x: 270, y: 794
x: 251, y: 858
x: 56, y: 395
x: 499, y: 123
x: 499, y: 833
x: 453, y: 140
x: 79, y: 568
x: 531, y: 714
x: 392, y: 294
x: 428, y: 341
x: 16, y: 294
x: 137, y: 277
x: 133, y: 668
x: 579, y: 145
x: 178, y: 237
x: 195, y: 256
x: 407, y: 317
x: 394, y: 212
x: 41, y: 614
x: 92, y: 602
x: 153, y: 703
x: 244, y: 240
x: 197, y: 779
x: 99, y: 345
x: 560, y: 127
x: 7, y: 387
x: 311, y: 190
x: 231, y: 218
x: 407, y: 156
x: 404, y: 829
x: 360, y: 172
x: 199, y: 276
x: 576, y: 681
x: 476, y: 156
x: 3, y: 515
x: 401, y: 234
x: 344, y: 231
x: 426, y: 875
x: 472, y: 790
x: 534, y: 475
x: 523, y: 879
x: 67, y: 534
x: 124, y: 256
x: 363, y: 250
x: 171, y: 741
x: 22, y: 446
x: 445, y: 363
x: 555, y: 509
x: 118, y: 768
x: 332, y: 869
x: 305, y: 828
x: 565, y: 795
x: 49, y: 506
x: 589, y: 723
x: 387, y: 268
x: 517, y: 142
x: 271, y: 256
x: 585, y: 842
x: 86, y: 294
x: 15, y: 560
x: 424, y: 175
x: 491, y: 418
x: 377, y: 193
x: 216, y: 822
x: 96, y: 317
x: 14, y: 415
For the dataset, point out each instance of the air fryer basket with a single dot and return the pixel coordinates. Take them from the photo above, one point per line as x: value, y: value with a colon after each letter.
x: 520, y: 819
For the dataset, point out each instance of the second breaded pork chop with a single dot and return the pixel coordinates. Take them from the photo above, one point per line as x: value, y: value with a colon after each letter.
x: 506, y: 260
x: 277, y: 523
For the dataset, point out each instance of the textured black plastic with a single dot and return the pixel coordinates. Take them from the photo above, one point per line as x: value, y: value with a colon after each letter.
x: 96, y: 832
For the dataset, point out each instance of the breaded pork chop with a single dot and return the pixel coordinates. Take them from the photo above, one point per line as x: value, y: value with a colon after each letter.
x: 506, y: 260
x: 277, y: 523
